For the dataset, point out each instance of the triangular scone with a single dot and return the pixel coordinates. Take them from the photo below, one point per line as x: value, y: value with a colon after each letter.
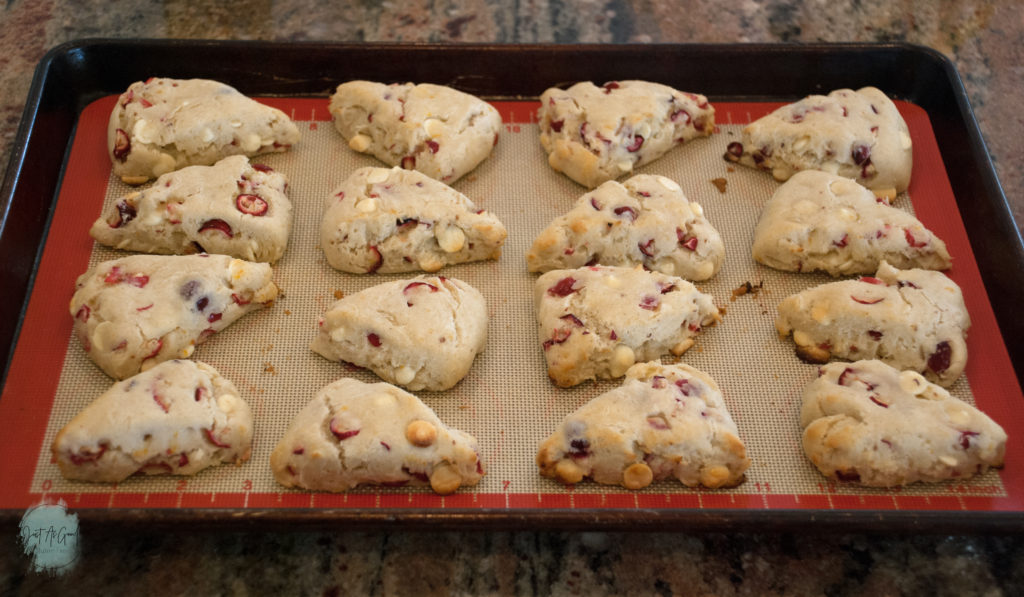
x: 595, y: 322
x: 354, y: 433
x: 821, y: 221
x: 160, y: 125
x: 177, y: 418
x: 871, y: 423
x: 911, y: 319
x: 135, y: 312
x: 439, y: 131
x: 422, y: 333
x: 644, y: 221
x: 231, y: 208
x: 595, y: 134
x: 664, y: 421
x: 393, y: 220
x: 857, y: 134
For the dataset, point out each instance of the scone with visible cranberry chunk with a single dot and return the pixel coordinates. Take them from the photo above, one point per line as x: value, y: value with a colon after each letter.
x: 911, y: 319
x: 856, y: 134
x: 821, y: 221
x: 231, y: 208
x: 876, y: 425
x: 595, y: 134
x: 664, y: 421
x: 160, y: 125
x: 644, y: 221
x: 134, y: 312
x: 422, y: 333
x: 595, y: 322
x: 177, y: 418
x: 387, y: 221
x: 439, y: 131
x: 354, y: 433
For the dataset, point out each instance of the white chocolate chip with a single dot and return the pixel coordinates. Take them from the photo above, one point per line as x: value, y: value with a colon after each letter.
x: 105, y: 336
x: 625, y: 166
x: 801, y: 338
x: 912, y: 382
x: 433, y: 127
x: 377, y: 175
x: 644, y: 130
x: 669, y: 184
x: 404, y: 375
x: 801, y: 143
x: 623, y: 358
x: 847, y: 214
x: 959, y: 417
x: 682, y: 347
x: 366, y: 205
x: 236, y: 124
x: 359, y: 143
x: 805, y: 207
x: 612, y: 282
x: 905, y: 141
x: 251, y: 142
x: 819, y: 314
x: 697, y: 209
x: 705, y: 270
x: 236, y: 269
x: 141, y: 131
x: 948, y: 460
x: 208, y: 136
x: 450, y: 239
x: 666, y: 267
x: 164, y: 164
x: 227, y: 402
x: 338, y: 334
x: 187, y: 351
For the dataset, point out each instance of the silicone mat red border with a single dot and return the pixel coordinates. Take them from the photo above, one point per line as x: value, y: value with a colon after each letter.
x: 27, y: 398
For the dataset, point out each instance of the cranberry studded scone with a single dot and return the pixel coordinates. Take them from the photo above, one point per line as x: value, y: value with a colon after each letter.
x: 160, y: 125
x: 594, y: 134
x: 821, y: 221
x: 644, y: 221
x: 422, y: 333
x: 857, y: 134
x: 177, y: 418
x: 911, y: 319
x: 663, y: 421
x: 596, y: 322
x: 393, y: 220
x: 876, y: 425
x: 231, y: 208
x: 354, y: 433
x: 439, y: 131
x: 134, y: 312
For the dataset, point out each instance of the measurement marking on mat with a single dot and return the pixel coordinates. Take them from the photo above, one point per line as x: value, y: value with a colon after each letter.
x: 245, y: 504
x: 178, y: 505
x: 831, y: 506
x: 960, y: 499
x: 700, y: 501
x: 636, y: 501
x: 145, y: 498
x: 312, y: 498
x: 895, y: 502
x: 572, y: 501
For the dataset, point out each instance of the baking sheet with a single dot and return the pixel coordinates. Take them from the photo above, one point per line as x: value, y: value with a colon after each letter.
x: 506, y: 401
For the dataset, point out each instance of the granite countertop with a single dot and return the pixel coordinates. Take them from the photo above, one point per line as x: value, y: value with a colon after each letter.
x: 984, y: 39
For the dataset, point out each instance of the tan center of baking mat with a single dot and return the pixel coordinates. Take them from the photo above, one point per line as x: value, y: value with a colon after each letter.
x: 506, y: 401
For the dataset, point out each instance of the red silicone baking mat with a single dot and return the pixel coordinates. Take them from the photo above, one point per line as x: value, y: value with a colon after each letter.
x: 506, y: 401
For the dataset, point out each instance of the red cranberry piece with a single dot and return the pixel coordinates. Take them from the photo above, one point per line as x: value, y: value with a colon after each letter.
x: 650, y: 303
x: 409, y: 162
x: 872, y: 301
x: 340, y: 433
x: 156, y: 351
x: 213, y: 439
x: 613, y: 335
x: 377, y: 260
x: 666, y: 288
x: 874, y: 109
x: 913, y: 242
x: 685, y: 387
x: 83, y: 457
x: 563, y: 287
x: 217, y: 224
x: 941, y: 358
x: 161, y: 402
x: 847, y: 375
x: 595, y: 204
x: 262, y: 168
x: 404, y: 224
x: 609, y: 86
x: 902, y: 283
x: 875, y: 335
x: 688, y: 243
x: 572, y: 319
x: 413, y: 285
x: 861, y: 154
x: 965, y: 438
x: 871, y: 280
x: 852, y: 476
x: 558, y: 336
x: 251, y: 204
x: 841, y: 242
x: 625, y: 209
x: 875, y: 399
x: 183, y: 460
x: 83, y: 313
x: 239, y: 300
x: 579, y: 448
x: 122, y: 145
x: 386, y: 446
x: 734, y: 149
x: 647, y: 248
x: 214, y: 317
x: 432, y: 146
x: 419, y: 476
x: 681, y: 115
x: 202, y: 303
x: 635, y: 144
x: 556, y: 125
x: 373, y: 339
x: 125, y: 213
x: 657, y: 422
x: 200, y: 393
x: 658, y: 382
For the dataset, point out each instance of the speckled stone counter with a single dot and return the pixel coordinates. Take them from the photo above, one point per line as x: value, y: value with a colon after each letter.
x: 985, y: 40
